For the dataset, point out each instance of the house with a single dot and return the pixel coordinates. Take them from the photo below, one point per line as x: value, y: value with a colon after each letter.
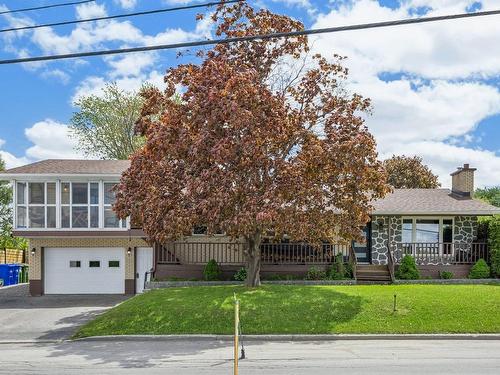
x: 78, y: 245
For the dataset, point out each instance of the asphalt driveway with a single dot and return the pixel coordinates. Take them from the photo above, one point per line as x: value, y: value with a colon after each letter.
x: 47, y: 318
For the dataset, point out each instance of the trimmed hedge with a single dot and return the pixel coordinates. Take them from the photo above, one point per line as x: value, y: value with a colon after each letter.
x: 494, y: 244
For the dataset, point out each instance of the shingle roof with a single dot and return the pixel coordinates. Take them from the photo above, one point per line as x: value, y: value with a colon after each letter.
x: 429, y: 202
x: 67, y: 167
x: 400, y: 202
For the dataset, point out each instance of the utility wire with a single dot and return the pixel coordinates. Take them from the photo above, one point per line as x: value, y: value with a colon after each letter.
x: 252, y: 37
x: 120, y: 15
x: 47, y: 6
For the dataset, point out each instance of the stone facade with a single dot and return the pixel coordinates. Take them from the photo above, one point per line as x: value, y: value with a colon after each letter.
x: 465, y: 229
x: 380, y: 236
x: 465, y: 232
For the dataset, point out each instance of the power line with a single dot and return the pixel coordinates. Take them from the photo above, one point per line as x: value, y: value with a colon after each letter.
x: 119, y: 16
x: 47, y: 6
x: 252, y: 37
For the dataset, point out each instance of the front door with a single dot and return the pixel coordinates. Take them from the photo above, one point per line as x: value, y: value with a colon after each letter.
x: 362, y: 249
x: 144, y: 264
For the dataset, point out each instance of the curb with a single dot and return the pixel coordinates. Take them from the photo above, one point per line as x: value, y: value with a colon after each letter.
x: 11, y: 342
x: 270, y: 338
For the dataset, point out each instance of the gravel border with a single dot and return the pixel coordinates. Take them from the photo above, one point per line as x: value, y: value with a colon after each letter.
x: 176, y: 284
x: 448, y: 281
x: 297, y: 337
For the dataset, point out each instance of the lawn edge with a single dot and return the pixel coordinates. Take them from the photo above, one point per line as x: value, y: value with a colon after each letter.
x: 338, y: 337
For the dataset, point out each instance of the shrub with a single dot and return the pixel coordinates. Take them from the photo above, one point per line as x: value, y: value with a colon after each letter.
x: 241, y: 274
x: 349, y: 272
x: 408, y: 269
x: 446, y: 275
x: 480, y: 270
x: 314, y: 273
x: 494, y: 244
x: 212, y: 271
x: 340, y: 270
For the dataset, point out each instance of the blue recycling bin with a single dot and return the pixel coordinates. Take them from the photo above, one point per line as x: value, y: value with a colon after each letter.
x: 9, y: 273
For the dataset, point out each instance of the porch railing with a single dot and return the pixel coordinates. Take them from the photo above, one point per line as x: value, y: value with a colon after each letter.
x: 391, y: 263
x: 441, y: 253
x: 232, y: 253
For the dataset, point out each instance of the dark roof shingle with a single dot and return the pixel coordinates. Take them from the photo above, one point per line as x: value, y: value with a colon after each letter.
x: 59, y: 166
x: 430, y: 201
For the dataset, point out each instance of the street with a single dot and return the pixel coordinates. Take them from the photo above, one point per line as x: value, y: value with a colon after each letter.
x: 214, y: 357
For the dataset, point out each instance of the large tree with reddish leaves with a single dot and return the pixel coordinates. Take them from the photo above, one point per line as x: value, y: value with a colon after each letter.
x: 263, y: 139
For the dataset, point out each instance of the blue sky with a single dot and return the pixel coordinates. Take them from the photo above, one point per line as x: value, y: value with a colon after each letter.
x: 435, y: 88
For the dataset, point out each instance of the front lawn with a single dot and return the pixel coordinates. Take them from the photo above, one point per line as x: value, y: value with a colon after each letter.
x: 285, y: 309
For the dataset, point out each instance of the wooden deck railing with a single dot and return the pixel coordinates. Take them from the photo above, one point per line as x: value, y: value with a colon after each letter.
x: 442, y: 253
x: 391, y: 263
x: 201, y: 253
x: 231, y: 253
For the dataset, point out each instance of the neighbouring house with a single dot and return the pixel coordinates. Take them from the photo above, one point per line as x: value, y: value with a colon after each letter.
x: 77, y: 245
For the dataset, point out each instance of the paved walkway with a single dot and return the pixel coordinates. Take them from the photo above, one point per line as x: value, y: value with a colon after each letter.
x: 183, y: 357
x: 26, y: 318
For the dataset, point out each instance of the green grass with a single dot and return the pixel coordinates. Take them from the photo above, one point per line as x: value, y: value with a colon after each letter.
x: 285, y: 309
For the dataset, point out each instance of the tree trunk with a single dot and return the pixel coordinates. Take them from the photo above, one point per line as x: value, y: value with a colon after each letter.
x: 253, y: 259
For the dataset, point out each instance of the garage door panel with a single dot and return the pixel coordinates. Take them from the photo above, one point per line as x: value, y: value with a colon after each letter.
x: 84, y: 270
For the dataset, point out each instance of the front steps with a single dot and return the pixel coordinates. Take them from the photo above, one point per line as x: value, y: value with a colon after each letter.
x: 372, y: 274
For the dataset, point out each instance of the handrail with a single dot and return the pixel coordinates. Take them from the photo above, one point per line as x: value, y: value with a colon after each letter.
x: 353, y: 261
x: 390, y: 262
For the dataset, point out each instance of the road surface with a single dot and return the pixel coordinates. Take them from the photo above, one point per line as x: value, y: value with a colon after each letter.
x: 214, y: 357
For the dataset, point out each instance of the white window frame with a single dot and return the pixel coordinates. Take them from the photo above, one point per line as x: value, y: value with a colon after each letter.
x: 440, y: 241
x: 123, y: 224
x: 44, y: 204
x: 440, y: 218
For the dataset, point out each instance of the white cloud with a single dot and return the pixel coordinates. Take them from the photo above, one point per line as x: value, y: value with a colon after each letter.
x: 437, y: 93
x: 126, y: 4
x: 130, y: 65
x: 93, y: 85
x: 445, y: 158
x: 12, y: 161
x: 57, y: 74
x: 51, y: 141
x: 448, y: 49
x: 90, y: 10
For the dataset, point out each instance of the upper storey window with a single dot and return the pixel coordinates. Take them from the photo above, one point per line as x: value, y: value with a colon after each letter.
x: 36, y: 205
x: 67, y: 205
x: 80, y: 205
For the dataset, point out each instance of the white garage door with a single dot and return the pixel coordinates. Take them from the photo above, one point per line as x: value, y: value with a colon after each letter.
x: 84, y: 270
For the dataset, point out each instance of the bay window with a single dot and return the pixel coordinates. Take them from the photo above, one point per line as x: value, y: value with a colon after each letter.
x: 67, y: 205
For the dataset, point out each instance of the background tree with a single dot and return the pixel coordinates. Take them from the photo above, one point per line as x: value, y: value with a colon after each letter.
x: 242, y: 154
x: 405, y: 172
x: 489, y: 194
x: 5, y: 205
x: 6, y: 239
x: 104, y: 125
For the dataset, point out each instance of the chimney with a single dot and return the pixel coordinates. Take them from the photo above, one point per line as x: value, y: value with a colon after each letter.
x: 462, y: 181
